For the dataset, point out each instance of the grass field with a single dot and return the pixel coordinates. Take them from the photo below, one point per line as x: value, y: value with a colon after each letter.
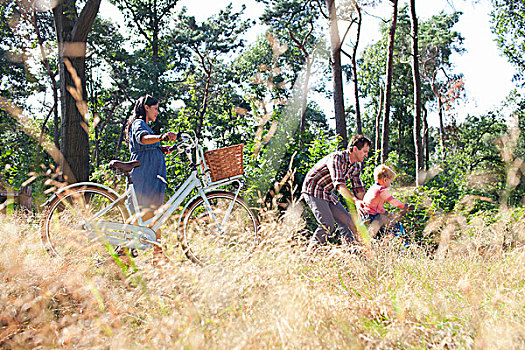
x: 470, y: 295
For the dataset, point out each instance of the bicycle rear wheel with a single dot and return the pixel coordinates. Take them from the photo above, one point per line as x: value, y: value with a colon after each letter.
x: 64, y: 230
x: 201, y: 240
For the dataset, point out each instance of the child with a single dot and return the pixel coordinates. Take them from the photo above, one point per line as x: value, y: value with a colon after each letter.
x: 371, y: 209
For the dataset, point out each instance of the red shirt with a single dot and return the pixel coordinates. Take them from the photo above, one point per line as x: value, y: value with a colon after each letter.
x: 372, y: 202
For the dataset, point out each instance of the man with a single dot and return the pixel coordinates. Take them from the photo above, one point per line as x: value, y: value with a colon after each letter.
x: 329, y: 174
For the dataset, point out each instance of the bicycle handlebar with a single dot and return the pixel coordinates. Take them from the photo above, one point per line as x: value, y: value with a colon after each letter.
x: 185, y: 145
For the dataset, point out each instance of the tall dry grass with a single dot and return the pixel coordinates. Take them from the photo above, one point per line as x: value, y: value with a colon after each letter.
x: 283, y: 297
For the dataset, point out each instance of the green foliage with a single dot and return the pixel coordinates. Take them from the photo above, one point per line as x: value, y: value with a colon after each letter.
x: 209, y: 82
x: 473, y: 165
x: 508, y: 19
x: 107, y: 177
x: 153, y: 55
x: 20, y: 158
x: 367, y: 175
x: 316, y: 150
x: 18, y: 79
x: 273, y: 117
x: 296, y: 24
x: 437, y: 42
x: 426, y: 201
x: 20, y: 154
x: 210, y: 90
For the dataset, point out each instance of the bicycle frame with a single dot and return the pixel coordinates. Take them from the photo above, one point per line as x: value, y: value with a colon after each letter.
x: 143, y: 232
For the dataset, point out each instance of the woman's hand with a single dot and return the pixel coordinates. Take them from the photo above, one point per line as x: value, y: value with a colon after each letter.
x: 169, y: 136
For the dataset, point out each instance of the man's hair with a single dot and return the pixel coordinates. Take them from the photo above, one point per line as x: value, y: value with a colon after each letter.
x: 382, y: 171
x: 359, y: 141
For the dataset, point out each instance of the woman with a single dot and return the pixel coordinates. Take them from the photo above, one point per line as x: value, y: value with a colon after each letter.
x: 144, y: 145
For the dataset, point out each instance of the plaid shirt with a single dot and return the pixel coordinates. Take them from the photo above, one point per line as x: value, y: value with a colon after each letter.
x: 333, y: 170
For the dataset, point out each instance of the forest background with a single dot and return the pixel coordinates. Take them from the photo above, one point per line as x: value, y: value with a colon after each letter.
x: 70, y: 76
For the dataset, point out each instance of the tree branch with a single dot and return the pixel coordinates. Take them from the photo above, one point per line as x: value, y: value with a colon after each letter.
x: 346, y: 32
x: 85, y: 21
x: 346, y: 54
x: 308, y: 34
x: 136, y: 21
x: 166, y: 10
x: 43, y: 128
x: 321, y: 10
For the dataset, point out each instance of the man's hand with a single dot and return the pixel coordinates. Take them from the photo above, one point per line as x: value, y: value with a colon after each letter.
x: 359, y: 193
x: 347, y: 194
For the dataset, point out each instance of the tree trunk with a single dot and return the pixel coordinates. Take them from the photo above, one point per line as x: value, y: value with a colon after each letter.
x: 441, y: 127
x: 155, y: 49
x: 400, y: 132
x: 97, y: 143
x: 359, y: 126
x: 304, y: 102
x: 74, y: 131
x: 72, y: 31
x: 388, y: 85
x: 425, y: 136
x: 51, y: 75
x: 121, y: 134
x: 418, y: 142
x: 337, y: 71
x: 378, y: 121
x: 204, y: 106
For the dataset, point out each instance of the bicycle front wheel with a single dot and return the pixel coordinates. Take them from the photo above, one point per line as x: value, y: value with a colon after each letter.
x: 65, y: 228
x: 232, y: 235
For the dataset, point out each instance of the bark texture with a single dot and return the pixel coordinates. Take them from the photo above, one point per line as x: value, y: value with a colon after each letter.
x: 388, y: 84
x: 418, y: 141
x: 72, y: 31
x: 335, y: 49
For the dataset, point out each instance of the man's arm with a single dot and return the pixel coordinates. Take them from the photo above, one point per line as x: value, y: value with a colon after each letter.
x: 359, y: 193
x: 357, y: 186
x: 351, y: 198
x: 347, y: 194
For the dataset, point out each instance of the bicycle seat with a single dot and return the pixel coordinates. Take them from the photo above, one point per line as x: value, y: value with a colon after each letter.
x: 125, y: 167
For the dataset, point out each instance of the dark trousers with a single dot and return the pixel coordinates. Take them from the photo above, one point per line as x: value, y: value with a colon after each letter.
x: 327, y: 215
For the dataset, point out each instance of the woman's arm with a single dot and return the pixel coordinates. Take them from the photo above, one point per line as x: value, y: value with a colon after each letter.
x: 151, y: 139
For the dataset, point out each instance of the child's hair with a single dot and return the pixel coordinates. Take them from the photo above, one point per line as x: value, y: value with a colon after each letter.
x: 382, y: 171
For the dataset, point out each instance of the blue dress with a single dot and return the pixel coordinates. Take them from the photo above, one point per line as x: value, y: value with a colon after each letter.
x: 149, y: 188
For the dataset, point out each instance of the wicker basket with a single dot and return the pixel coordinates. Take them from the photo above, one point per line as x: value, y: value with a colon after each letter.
x: 224, y: 162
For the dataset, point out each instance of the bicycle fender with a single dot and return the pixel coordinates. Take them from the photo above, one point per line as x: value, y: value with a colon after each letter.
x: 75, y: 185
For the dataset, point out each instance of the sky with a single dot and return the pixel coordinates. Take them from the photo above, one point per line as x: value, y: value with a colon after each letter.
x: 487, y: 75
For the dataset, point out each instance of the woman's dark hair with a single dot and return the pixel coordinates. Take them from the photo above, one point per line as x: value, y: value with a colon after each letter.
x: 139, y: 112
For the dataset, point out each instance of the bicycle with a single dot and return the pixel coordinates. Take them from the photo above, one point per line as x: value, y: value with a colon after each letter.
x: 393, y: 227
x: 88, y: 218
